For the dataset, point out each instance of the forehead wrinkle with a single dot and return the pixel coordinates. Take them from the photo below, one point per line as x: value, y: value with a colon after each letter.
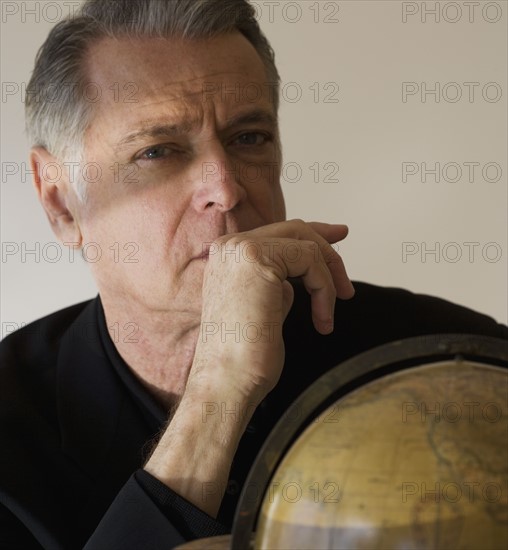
x: 253, y: 115
x: 210, y: 78
x: 179, y: 122
x: 205, y: 77
x: 184, y: 95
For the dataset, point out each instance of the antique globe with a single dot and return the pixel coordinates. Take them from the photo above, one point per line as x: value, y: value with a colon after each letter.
x: 417, y: 459
x: 403, y: 447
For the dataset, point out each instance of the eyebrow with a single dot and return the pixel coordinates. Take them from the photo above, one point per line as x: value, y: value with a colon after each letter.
x: 157, y: 131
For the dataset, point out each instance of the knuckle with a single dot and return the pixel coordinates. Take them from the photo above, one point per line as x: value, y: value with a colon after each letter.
x: 220, y: 240
x: 314, y: 248
x: 300, y: 224
x: 235, y: 241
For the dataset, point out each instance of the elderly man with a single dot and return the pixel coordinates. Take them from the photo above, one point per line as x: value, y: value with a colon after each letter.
x: 131, y: 420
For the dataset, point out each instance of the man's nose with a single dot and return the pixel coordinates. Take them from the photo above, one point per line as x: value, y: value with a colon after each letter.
x: 218, y: 184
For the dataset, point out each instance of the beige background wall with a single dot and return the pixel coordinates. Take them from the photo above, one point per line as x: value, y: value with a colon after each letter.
x: 357, y: 150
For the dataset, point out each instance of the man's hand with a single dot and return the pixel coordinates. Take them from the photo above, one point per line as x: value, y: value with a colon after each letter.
x: 240, y: 351
x: 246, y: 298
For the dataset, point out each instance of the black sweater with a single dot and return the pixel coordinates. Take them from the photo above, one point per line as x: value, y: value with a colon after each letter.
x: 76, y: 426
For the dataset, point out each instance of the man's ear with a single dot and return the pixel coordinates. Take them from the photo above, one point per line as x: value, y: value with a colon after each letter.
x: 56, y: 195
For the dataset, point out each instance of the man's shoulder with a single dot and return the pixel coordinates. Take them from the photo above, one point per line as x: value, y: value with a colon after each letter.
x: 378, y: 315
x: 398, y: 313
x: 40, y: 338
x: 375, y: 316
x: 410, y: 314
x: 28, y: 365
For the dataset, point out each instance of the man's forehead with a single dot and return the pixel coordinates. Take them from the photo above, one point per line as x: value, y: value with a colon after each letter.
x: 176, y: 84
x: 174, y: 65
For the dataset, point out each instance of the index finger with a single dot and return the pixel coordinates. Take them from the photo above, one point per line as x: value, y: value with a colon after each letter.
x: 323, y: 234
x: 331, y: 232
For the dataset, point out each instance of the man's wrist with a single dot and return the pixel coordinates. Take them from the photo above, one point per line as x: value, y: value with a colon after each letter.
x: 194, y: 455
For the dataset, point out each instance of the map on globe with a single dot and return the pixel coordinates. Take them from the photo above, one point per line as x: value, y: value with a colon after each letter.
x: 417, y: 459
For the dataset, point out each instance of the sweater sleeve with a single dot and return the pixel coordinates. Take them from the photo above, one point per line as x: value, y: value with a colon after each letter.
x: 147, y: 514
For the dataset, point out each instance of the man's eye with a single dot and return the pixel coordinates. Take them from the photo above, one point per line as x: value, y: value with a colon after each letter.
x: 251, y: 138
x: 154, y: 153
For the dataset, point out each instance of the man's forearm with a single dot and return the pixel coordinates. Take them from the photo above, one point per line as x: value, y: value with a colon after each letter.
x: 195, y: 452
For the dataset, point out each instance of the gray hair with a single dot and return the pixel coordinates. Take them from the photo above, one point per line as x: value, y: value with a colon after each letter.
x: 58, y: 121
